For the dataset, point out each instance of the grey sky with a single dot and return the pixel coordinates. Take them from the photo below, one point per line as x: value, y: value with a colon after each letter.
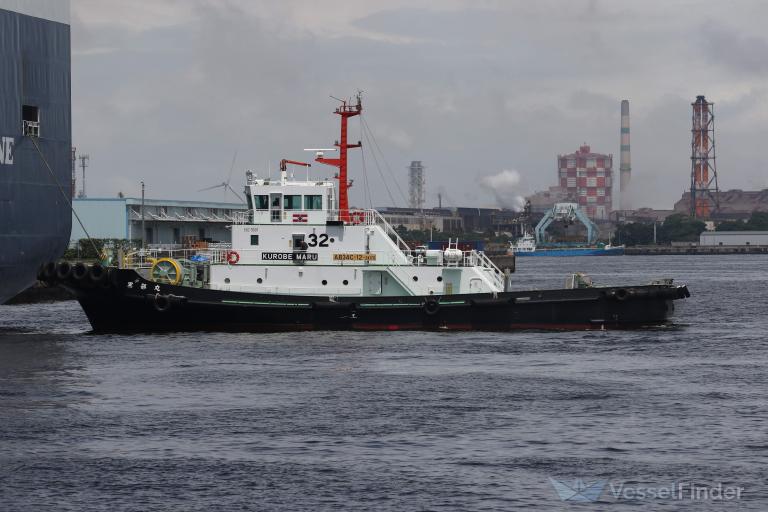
x: 167, y: 90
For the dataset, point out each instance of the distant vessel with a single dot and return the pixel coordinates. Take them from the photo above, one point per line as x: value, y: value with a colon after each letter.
x: 35, y: 113
x: 301, y: 258
x: 526, y: 246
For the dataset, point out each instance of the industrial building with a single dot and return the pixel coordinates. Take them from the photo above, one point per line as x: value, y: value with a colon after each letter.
x: 165, y: 222
x: 455, y: 220
x: 412, y: 219
x: 733, y: 204
x: 733, y: 238
x: 588, y: 180
x: 543, y: 201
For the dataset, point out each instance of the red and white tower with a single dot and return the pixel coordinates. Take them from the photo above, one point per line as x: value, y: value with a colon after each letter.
x: 705, y: 195
x: 587, y: 178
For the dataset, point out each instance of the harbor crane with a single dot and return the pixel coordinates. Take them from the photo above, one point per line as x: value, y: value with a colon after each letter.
x: 568, y: 212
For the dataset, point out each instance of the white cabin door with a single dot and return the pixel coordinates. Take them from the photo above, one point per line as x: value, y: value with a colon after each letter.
x: 373, y: 283
x: 475, y: 285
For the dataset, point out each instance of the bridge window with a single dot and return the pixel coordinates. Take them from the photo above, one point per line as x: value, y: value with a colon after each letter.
x: 261, y: 202
x: 313, y: 202
x: 292, y: 202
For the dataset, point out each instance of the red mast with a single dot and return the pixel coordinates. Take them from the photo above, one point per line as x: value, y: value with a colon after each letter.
x: 345, y: 111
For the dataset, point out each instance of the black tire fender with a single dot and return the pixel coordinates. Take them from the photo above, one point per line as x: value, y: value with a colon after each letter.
x: 79, y: 272
x: 431, y: 306
x: 49, y: 272
x: 162, y: 303
x: 97, y: 273
x: 620, y: 294
x: 63, y: 270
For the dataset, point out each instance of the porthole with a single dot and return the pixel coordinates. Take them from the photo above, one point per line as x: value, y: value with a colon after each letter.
x: 439, y: 279
x: 333, y: 240
x: 415, y: 278
x: 226, y: 280
x: 345, y: 282
x: 325, y: 282
x: 259, y: 280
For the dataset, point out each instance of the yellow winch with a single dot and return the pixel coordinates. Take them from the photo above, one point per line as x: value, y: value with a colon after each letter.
x: 168, y: 271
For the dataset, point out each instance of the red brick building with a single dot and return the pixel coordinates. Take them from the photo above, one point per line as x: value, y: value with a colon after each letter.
x: 588, y: 179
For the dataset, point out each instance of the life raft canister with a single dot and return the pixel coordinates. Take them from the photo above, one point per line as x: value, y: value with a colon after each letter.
x: 233, y: 257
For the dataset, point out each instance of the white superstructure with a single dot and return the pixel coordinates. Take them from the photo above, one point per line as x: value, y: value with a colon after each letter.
x: 526, y: 244
x: 293, y: 241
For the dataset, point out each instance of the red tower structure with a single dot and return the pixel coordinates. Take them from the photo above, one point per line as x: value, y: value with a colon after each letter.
x: 346, y: 111
x: 705, y: 195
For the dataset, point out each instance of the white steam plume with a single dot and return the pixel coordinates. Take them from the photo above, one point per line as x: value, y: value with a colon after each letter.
x: 504, y: 187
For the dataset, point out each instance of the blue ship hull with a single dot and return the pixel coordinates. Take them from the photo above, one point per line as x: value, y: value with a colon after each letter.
x: 575, y: 251
x: 35, y: 219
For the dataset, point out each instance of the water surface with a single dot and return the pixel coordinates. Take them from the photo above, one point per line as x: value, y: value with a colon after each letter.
x: 393, y: 421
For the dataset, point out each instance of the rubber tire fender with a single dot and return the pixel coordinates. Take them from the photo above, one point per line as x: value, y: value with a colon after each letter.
x: 97, y: 273
x: 63, y: 270
x: 620, y: 294
x: 79, y: 272
x: 162, y: 303
x: 431, y: 306
x: 49, y: 272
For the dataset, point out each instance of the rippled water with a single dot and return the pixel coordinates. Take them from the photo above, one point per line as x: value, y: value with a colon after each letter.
x: 393, y: 421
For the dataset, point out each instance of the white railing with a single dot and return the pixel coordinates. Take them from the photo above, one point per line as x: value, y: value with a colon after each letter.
x: 479, y: 258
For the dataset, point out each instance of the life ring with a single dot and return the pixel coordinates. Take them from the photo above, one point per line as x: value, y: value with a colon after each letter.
x: 431, y: 306
x: 358, y: 217
x: 233, y: 257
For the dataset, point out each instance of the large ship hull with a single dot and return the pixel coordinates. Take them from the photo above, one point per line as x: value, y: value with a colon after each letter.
x: 575, y: 251
x: 35, y: 218
x: 120, y: 300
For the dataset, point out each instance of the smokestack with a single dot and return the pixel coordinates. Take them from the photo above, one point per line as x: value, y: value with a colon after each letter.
x: 625, y: 163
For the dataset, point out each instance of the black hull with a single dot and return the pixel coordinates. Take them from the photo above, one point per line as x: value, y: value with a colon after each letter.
x: 121, y: 301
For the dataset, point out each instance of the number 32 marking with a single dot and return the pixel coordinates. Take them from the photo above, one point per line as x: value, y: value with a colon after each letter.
x: 315, y: 241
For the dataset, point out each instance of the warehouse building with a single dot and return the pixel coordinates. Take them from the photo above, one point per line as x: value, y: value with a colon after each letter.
x: 710, y: 238
x: 166, y: 222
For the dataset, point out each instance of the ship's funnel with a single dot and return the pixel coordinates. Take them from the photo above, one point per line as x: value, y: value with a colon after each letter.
x: 625, y: 163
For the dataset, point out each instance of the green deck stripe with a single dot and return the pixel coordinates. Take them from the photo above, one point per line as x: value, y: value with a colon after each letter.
x: 256, y: 303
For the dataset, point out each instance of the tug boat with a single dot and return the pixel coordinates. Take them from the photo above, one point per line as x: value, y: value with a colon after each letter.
x: 301, y: 259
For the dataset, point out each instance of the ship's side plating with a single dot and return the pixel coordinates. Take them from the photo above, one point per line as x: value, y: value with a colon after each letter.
x: 35, y: 80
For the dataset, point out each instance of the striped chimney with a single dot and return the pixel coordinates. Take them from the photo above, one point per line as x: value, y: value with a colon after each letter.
x: 625, y: 163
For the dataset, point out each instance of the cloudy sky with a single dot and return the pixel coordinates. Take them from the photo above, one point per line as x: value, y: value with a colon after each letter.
x: 167, y: 90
